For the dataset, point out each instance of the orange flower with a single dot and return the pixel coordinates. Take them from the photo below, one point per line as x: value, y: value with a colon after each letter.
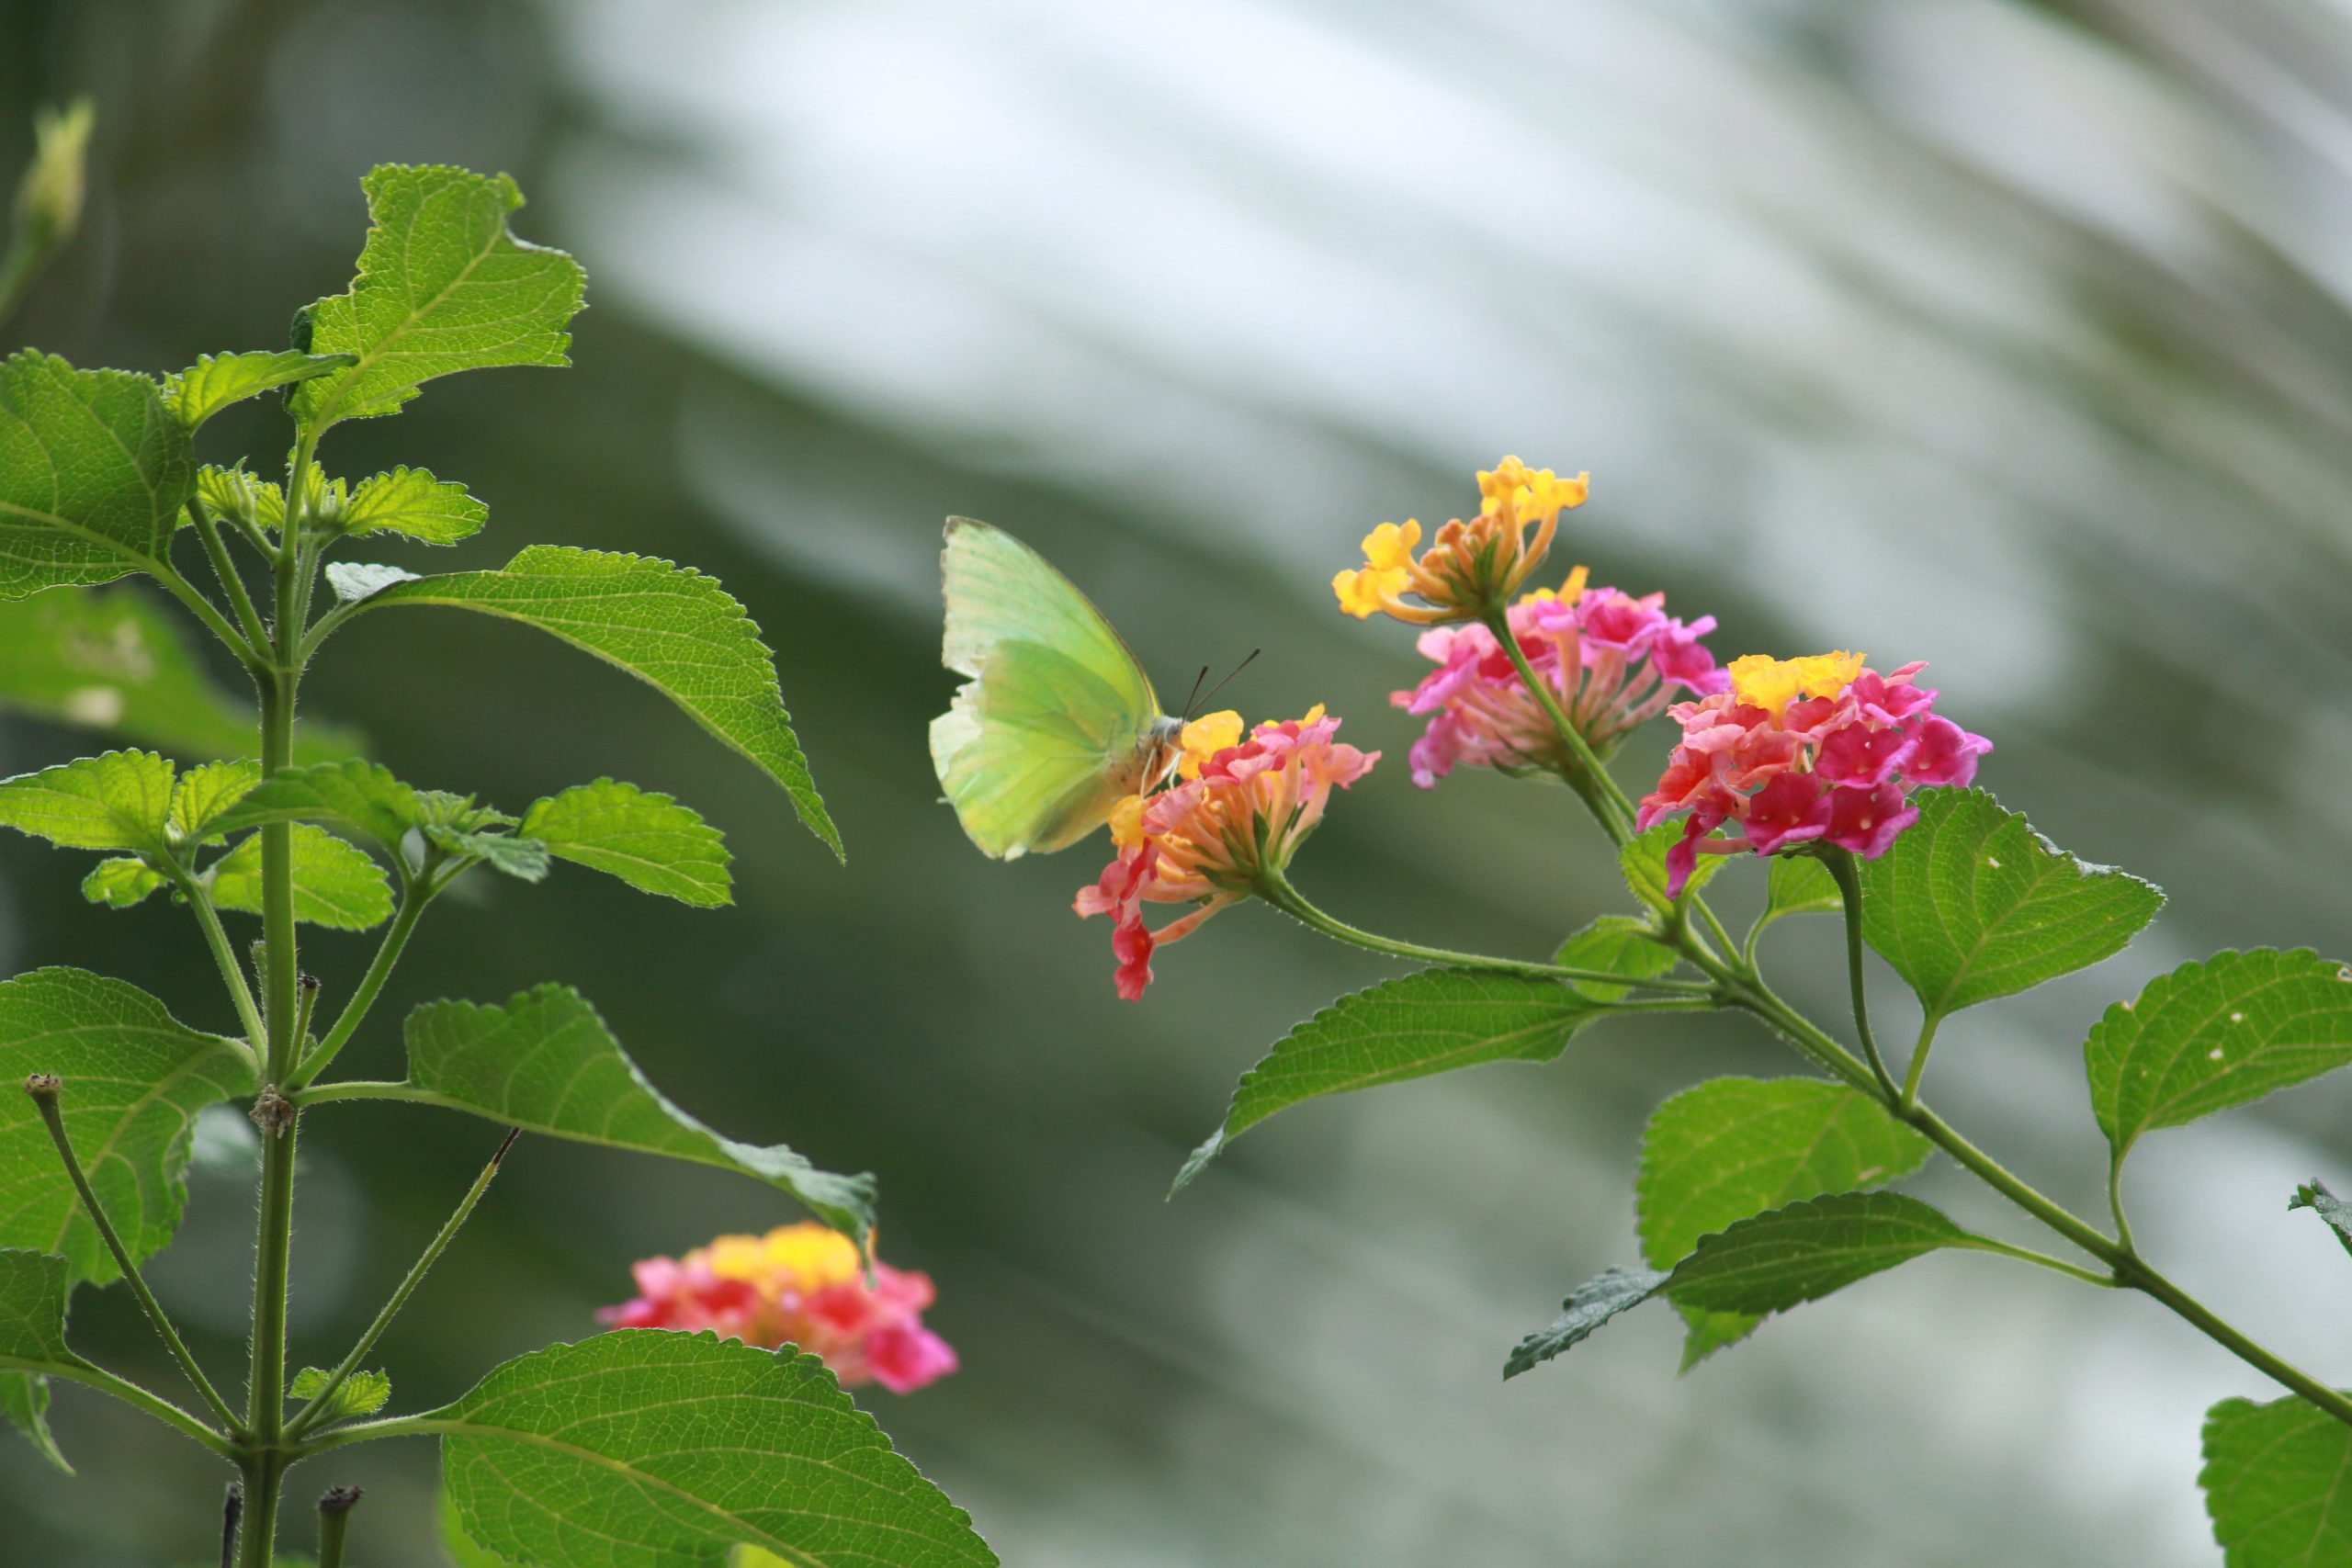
x: 1471, y: 568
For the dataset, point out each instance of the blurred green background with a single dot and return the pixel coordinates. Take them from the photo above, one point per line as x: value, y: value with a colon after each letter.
x: 2014, y: 337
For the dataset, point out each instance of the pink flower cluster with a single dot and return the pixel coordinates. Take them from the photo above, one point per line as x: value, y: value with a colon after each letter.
x: 1241, y: 811
x: 803, y: 1285
x: 1820, y: 749
x: 1612, y: 660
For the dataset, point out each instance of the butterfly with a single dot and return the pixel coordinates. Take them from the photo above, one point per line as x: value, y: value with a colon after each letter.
x: 1057, y: 721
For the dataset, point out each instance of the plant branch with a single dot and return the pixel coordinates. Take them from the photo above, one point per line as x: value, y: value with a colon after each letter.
x: 1840, y: 862
x: 414, y: 897
x: 1608, y: 803
x: 130, y: 1394
x: 46, y: 1090
x: 232, y: 582
x: 1276, y: 890
x: 233, y: 974
x: 309, y: 1414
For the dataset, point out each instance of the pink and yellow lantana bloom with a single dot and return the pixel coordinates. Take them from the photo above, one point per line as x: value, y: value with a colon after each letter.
x: 1803, y: 750
x: 803, y: 1285
x: 1240, y: 809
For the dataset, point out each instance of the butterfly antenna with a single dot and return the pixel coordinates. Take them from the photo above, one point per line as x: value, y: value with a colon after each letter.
x: 1221, y: 686
x: 1197, y: 692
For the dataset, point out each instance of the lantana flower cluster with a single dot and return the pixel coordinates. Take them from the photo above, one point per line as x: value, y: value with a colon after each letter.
x: 1471, y: 567
x: 1613, y: 661
x: 1821, y: 749
x: 800, y: 1284
x: 1240, y: 809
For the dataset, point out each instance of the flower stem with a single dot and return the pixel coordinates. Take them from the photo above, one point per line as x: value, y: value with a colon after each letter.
x: 1590, y: 780
x: 1276, y: 890
x: 398, y: 1299
x: 46, y: 1091
x: 1840, y: 862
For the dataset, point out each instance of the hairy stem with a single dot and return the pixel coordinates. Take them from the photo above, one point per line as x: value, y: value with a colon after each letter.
x: 232, y: 582
x: 413, y: 898
x: 309, y: 1414
x: 233, y: 974
x: 1276, y: 890
x: 46, y: 1092
x: 130, y: 1394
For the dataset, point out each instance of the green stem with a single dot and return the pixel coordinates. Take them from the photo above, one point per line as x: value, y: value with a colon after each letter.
x: 2044, y: 1260
x: 413, y: 898
x: 253, y: 659
x: 1591, y: 780
x: 398, y: 1299
x: 425, y: 1425
x: 224, y: 954
x: 1918, y: 1069
x: 335, y: 1524
x: 231, y: 582
x: 2115, y: 1203
x: 1840, y: 862
x: 1276, y: 890
x: 46, y: 1093
x: 130, y: 1394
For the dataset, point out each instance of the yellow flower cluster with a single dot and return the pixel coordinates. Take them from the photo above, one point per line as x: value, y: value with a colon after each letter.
x: 1472, y: 567
x: 1761, y: 681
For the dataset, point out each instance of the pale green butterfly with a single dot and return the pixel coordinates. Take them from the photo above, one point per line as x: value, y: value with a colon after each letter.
x: 1058, y: 721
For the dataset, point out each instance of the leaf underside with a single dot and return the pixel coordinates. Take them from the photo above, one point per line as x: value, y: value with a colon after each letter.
x: 2277, y: 1482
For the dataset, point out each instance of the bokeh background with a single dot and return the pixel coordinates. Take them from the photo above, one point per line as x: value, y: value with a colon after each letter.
x: 2010, y: 336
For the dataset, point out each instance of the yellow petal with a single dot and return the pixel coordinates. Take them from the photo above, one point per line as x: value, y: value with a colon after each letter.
x: 1126, y: 820
x: 813, y: 1255
x: 1205, y: 738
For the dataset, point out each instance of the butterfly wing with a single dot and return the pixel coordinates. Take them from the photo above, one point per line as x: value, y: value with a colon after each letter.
x: 1057, y: 720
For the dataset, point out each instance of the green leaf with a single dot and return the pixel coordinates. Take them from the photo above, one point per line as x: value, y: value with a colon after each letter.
x: 2213, y: 1034
x: 412, y: 502
x: 443, y: 287
x: 2277, y: 1482
x: 525, y: 860
x: 649, y: 1448
x: 647, y: 841
x: 355, y: 581
x: 1764, y: 1264
x: 204, y: 795
x: 461, y: 1552
x: 216, y: 380
x: 93, y: 472
x: 120, y: 883
x: 363, y: 796
x: 120, y: 800
x: 1643, y: 860
x: 32, y: 1342
x: 1799, y: 885
x: 1730, y: 1148
x: 545, y: 1062
x: 1616, y: 945
x: 135, y: 1078
x: 1593, y: 1303
x: 1432, y: 1021
x: 108, y: 660
x: 1972, y: 904
x: 361, y: 1393
x: 670, y: 626
x: 335, y: 884
x: 2314, y: 1195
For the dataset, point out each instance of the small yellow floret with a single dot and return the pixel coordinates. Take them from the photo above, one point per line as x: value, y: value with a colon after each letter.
x: 1761, y: 681
x: 1205, y: 738
x: 814, y: 1255
x: 1389, y: 547
x: 1126, y: 821
x: 1568, y: 593
x: 737, y: 1257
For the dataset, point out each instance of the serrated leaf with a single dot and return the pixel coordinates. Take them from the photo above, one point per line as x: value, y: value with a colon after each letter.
x: 2277, y: 1482
x: 361, y: 796
x: 1432, y: 1021
x: 1733, y: 1148
x: 647, y: 841
x: 545, y: 1062
x: 233, y: 492
x: 93, y: 472
x: 118, y: 800
x: 135, y: 1078
x: 670, y: 626
x: 1799, y: 885
x: 120, y: 883
x: 203, y: 795
x: 525, y: 860
x: 355, y: 581
x: 335, y: 882
x: 1972, y: 904
x: 2314, y: 1195
x: 649, y: 1448
x: 217, y: 380
x: 361, y: 1393
x: 1592, y: 1305
x: 412, y: 502
x: 443, y: 287
x: 32, y: 1342
x: 2215, y: 1034
x: 1642, y: 860
x: 1615, y: 944
x: 105, y: 660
